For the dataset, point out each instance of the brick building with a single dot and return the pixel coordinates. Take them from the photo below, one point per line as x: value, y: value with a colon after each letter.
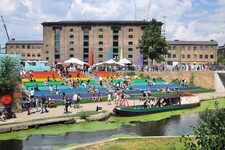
x: 28, y: 50
x: 192, y: 52
x: 66, y: 39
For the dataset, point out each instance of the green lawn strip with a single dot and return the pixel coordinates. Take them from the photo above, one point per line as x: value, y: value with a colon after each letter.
x: 156, y: 94
x: 111, y: 123
x: 83, y: 101
x: 167, y: 143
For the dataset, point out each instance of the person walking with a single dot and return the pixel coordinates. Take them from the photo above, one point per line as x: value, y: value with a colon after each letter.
x: 109, y: 97
x: 27, y: 101
x: 66, y: 102
x: 43, y: 104
x: 75, y: 100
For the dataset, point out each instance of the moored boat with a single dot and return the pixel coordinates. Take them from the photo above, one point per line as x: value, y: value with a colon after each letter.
x: 175, y: 103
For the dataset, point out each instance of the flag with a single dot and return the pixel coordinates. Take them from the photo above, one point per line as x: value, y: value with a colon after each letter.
x: 110, y: 53
x: 121, y: 54
x: 140, y: 60
x: 91, y: 57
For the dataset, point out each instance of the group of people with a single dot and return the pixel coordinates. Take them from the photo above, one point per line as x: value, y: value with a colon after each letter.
x: 68, y: 101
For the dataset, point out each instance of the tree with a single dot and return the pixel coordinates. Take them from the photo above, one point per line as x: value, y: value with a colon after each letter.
x: 152, y: 44
x: 209, y: 134
x: 221, y: 59
x: 9, y: 75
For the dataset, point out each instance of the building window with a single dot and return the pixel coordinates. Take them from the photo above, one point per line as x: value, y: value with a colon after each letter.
x: 38, y: 55
x: 28, y: 46
x: 169, y: 56
x: 46, y: 52
x: 33, y: 55
x: 100, y: 49
x: 86, y: 43
x: 174, y: 56
x: 201, y: 48
x: 71, y: 29
x: 174, y: 48
x: 86, y: 50
x: 115, y: 37
x: 200, y: 56
x: 11, y: 46
x: 189, y: 47
x: 23, y: 46
x: 38, y: 47
x: 71, y: 49
x: 100, y: 56
x: 182, y: 47
x: 182, y: 56
x: 71, y: 36
x: 169, y: 47
x: 211, y: 56
x: 28, y: 54
x: 130, y: 36
x: 100, y: 30
x: 206, y: 56
x: 57, y: 56
x: 47, y: 58
x: 130, y: 43
x: 57, y: 40
x: 115, y: 31
x: 130, y: 30
x: 130, y: 49
x: 17, y: 46
x: 212, y: 47
x: 115, y: 44
x: 71, y: 55
x: 188, y: 56
x: 100, y: 36
x: 34, y: 46
x: 195, y: 47
x: 206, y: 48
x: 86, y: 37
x: 23, y: 54
x: 195, y: 56
x: 130, y: 56
x: 71, y: 42
x: 100, y: 43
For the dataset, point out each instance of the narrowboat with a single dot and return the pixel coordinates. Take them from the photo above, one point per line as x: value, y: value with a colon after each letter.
x: 172, y: 103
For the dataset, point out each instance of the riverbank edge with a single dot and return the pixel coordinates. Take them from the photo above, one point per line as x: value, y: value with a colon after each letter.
x: 35, y: 123
x: 119, y: 138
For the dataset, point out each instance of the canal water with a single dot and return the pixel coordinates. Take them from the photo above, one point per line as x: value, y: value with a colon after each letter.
x: 175, y: 125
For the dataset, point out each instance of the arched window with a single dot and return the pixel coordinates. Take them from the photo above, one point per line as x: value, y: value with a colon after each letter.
x: 130, y: 56
x: 130, y: 30
x: 195, y: 56
x: 28, y: 54
x: 130, y: 49
x: 130, y: 43
x: 100, y: 43
x: 182, y: 55
x: 100, y: 56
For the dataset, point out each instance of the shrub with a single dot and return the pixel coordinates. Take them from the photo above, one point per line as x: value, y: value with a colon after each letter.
x: 175, y: 81
x: 141, y: 75
x: 192, y: 78
x: 83, y: 115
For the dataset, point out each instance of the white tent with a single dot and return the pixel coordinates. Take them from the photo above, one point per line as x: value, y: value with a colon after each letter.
x: 108, y: 62
x: 75, y: 61
x: 124, y: 61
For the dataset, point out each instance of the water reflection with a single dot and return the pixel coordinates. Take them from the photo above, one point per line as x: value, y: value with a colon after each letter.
x: 176, y: 125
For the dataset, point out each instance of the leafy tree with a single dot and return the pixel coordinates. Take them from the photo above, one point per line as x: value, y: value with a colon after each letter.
x: 9, y: 75
x: 152, y: 44
x: 221, y: 59
x: 209, y: 134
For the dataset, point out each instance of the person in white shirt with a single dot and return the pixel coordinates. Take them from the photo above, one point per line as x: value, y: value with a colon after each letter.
x: 75, y: 100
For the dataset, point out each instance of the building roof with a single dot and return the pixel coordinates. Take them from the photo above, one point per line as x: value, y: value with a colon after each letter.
x: 32, y: 42
x: 104, y: 22
x: 177, y: 42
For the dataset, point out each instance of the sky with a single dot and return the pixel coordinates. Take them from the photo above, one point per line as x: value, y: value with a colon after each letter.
x: 185, y: 19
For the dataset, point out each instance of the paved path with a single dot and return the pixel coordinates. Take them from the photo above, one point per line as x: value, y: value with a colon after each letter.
x: 56, y: 112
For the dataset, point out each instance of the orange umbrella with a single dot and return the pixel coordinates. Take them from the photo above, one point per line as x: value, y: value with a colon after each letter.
x: 6, y: 100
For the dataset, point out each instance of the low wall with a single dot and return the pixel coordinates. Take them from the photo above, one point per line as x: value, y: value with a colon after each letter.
x: 201, y: 78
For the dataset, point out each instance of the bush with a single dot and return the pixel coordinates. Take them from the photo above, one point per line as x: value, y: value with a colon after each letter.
x: 83, y: 115
x: 175, y: 81
x: 141, y: 75
x: 130, y: 74
x: 192, y: 78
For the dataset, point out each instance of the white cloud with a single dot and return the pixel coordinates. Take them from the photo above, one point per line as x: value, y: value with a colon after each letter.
x: 24, y: 17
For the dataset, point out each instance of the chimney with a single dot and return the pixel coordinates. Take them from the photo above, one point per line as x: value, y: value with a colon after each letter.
x: 212, y: 40
x: 13, y: 39
x: 176, y: 40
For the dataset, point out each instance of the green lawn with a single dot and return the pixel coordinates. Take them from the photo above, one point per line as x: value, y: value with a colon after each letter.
x: 139, y: 144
